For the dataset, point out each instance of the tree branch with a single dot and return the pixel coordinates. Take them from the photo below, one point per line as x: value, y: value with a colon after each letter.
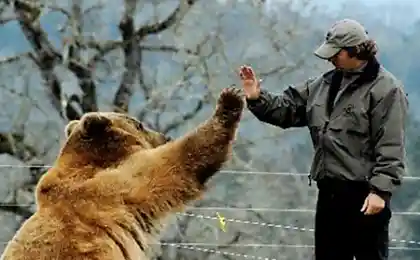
x: 16, y: 209
x: 175, y: 17
x: 183, y: 118
x: 166, y: 48
x: 13, y: 144
x: 132, y: 60
x: 8, y: 60
x: 133, y: 55
x: 3, y: 21
x: 153, y: 102
x: 283, y: 70
x: 83, y: 73
x: 46, y: 56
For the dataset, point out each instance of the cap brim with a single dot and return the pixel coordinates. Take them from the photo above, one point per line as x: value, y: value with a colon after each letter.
x: 326, y: 51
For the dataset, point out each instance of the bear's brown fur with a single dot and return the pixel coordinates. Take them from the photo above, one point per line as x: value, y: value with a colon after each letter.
x: 113, y: 182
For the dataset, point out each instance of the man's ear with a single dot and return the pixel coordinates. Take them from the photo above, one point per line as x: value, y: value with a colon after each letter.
x: 70, y: 127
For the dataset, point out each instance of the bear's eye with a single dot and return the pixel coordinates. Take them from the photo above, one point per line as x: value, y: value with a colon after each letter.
x: 139, y: 126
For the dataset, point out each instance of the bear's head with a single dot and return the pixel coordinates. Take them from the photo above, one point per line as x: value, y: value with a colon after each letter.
x: 102, y: 139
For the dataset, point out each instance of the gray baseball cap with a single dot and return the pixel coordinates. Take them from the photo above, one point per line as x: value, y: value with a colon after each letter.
x: 344, y: 33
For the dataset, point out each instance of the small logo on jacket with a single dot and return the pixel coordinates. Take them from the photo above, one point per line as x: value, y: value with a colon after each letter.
x: 348, y: 110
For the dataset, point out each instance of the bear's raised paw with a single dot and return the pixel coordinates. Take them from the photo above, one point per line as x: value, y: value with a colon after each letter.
x: 230, y: 104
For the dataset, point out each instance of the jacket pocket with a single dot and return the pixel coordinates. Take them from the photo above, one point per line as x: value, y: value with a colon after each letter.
x: 353, y: 122
x: 351, y: 128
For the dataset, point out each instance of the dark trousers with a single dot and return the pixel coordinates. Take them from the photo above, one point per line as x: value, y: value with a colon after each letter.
x: 342, y: 231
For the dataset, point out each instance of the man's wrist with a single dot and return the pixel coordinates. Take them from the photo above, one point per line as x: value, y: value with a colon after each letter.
x: 256, y: 96
x: 253, y: 99
x: 385, y: 195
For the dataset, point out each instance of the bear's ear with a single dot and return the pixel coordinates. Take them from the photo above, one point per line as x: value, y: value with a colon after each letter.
x: 70, y: 127
x: 95, y: 124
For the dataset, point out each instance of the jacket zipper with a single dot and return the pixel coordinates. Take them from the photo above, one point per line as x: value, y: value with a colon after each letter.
x: 324, y: 131
x: 325, y: 127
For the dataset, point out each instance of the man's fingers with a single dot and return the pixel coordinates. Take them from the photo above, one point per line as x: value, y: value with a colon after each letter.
x: 369, y: 210
x: 373, y: 209
x: 246, y: 73
x: 365, y: 205
x: 247, y: 69
x: 250, y: 72
x: 376, y: 210
x: 241, y: 72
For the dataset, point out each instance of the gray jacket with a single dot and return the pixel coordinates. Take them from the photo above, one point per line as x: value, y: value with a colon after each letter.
x: 361, y: 139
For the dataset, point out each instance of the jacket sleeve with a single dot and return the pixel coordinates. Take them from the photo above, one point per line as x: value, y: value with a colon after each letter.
x: 285, y: 110
x: 388, y: 125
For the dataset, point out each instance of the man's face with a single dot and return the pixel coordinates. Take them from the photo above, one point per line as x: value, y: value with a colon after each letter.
x: 343, y: 61
x: 340, y: 59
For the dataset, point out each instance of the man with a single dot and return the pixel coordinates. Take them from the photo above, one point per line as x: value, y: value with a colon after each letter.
x: 356, y: 116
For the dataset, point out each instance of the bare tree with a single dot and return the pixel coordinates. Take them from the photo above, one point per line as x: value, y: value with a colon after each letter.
x: 164, y: 62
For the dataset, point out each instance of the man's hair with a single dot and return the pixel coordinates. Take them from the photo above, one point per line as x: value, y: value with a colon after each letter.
x: 364, y: 51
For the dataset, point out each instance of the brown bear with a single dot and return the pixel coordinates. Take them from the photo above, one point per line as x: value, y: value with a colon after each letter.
x: 114, y: 181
